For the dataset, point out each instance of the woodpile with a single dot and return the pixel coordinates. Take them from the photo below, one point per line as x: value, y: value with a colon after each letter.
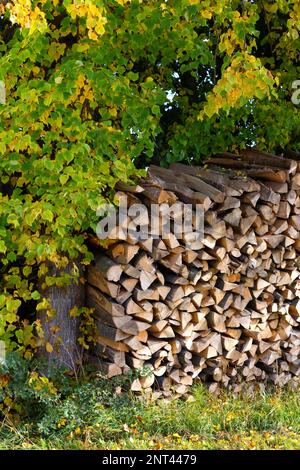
x: 224, y: 308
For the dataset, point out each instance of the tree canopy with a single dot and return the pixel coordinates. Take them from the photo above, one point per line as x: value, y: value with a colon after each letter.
x: 95, y: 90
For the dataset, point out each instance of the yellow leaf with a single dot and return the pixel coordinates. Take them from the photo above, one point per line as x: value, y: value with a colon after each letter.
x: 74, y: 312
x: 271, y: 8
x: 206, y: 14
x: 92, y: 35
x: 49, y: 348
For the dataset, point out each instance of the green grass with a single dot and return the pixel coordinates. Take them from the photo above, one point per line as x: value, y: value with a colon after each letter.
x: 93, y: 417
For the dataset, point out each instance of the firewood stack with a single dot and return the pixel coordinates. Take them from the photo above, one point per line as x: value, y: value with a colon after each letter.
x: 225, y: 308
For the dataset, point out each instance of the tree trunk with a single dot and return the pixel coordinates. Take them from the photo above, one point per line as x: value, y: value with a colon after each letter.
x: 60, y: 345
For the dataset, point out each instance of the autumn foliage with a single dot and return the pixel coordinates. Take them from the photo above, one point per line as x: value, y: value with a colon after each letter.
x: 95, y: 90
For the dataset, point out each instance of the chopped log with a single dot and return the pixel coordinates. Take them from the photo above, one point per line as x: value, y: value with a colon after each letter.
x: 104, y: 302
x: 133, y: 327
x: 110, y: 270
x: 110, y: 332
x: 233, y: 218
x: 96, y: 279
x: 122, y: 296
x: 148, y: 294
x: 131, y: 271
x: 129, y: 284
x: 111, y: 355
x: 112, y: 344
x: 106, y: 368
x: 123, y: 252
x: 146, y: 279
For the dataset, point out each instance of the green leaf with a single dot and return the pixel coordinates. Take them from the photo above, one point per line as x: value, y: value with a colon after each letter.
x: 47, y: 215
x: 3, y: 248
x: 155, y: 110
x: 63, y: 179
x: 35, y: 295
x: 13, y: 305
x: 133, y: 76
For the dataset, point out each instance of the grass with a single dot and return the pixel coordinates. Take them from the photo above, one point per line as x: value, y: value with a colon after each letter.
x: 93, y: 417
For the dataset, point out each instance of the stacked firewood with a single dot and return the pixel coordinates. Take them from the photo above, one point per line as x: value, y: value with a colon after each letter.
x: 224, y: 307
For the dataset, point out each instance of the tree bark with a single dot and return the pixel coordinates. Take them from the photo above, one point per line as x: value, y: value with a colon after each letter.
x: 60, y: 346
